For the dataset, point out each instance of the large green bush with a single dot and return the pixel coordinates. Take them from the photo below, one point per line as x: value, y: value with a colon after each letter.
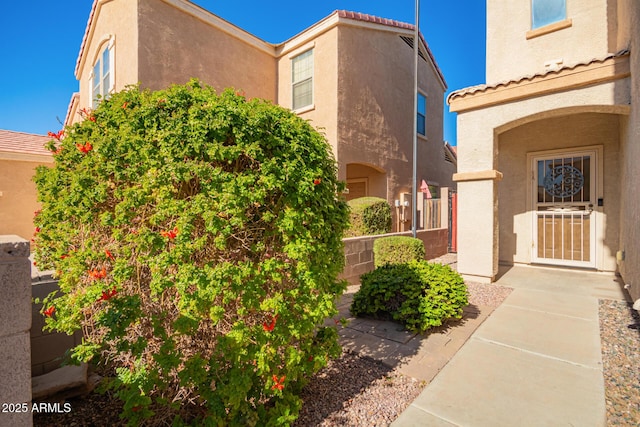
x: 397, y: 250
x: 197, y: 239
x: 369, y: 215
x: 418, y: 294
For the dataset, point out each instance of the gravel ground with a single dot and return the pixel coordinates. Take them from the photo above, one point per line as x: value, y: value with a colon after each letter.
x: 620, y: 339
x: 356, y: 391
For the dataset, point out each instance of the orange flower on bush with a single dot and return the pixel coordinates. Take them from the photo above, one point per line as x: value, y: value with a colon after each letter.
x: 317, y: 181
x: 279, y: 383
x: 171, y: 234
x: 85, y: 148
x: 57, y: 135
x: 107, y: 295
x: 98, y: 274
x: 268, y: 327
x: 109, y: 255
x: 49, y: 311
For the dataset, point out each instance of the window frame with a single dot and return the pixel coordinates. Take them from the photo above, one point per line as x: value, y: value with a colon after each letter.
x: 421, y: 96
x: 545, y: 23
x: 309, y: 79
x: 106, y: 78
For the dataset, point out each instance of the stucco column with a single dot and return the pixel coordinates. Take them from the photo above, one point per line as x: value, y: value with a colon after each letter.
x: 15, y: 323
x: 477, y: 227
x: 477, y: 180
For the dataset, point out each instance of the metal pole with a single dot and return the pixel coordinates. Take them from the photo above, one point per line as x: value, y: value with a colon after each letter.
x: 414, y: 189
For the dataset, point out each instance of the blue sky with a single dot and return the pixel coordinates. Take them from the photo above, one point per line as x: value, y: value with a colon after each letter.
x: 39, y: 44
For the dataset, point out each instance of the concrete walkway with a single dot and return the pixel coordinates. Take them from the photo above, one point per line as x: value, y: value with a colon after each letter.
x: 535, y: 361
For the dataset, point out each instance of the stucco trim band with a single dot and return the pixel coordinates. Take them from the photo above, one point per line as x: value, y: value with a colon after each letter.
x: 25, y: 157
x: 556, y: 26
x: 614, y: 68
x: 485, y: 175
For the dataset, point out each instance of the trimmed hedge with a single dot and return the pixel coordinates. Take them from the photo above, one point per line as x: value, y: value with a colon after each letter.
x: 369, y: 216
x: 418, y: 294
x: 397, y: 250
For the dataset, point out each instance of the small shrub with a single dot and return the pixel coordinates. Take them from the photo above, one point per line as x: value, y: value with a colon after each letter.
x: 397, y: 250
x: 369, y: 216
x: 418, y: 294
x: 197, y: 239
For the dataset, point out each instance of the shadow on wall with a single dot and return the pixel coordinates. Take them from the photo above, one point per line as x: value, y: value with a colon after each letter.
x: 48, y: 349
x: 570, y: 131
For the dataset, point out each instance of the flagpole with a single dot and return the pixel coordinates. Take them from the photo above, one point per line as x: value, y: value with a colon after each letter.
x: 414, y: 189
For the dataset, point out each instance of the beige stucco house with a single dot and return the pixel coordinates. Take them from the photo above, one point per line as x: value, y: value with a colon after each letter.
x: 20, y: 154
x: 548, y: 149
x: 350, y: 74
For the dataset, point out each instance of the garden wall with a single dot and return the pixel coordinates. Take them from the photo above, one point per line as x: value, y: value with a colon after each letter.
x: 358, y: 251
x: 15, y: 322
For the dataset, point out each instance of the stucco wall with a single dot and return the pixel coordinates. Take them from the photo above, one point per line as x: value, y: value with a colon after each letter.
x: 175, y: 46
x: 18, y: 201
x: 15, y: 317
x: 630, y: 170
x: 375, y: 110
x: 564, y: 132
x: 323, y: 114
x: 117, y: 19
x: 478, y: 146
x: 510, y: 54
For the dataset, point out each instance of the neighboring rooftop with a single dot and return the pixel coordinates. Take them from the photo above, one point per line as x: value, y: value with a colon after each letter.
x: 23, y: 143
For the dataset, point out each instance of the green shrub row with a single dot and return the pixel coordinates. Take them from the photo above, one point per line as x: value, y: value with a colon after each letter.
x: 369, y: 216
x: 397, y: 250
x: 418, y: 294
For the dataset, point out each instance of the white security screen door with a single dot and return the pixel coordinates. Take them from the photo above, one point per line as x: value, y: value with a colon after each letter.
x: 564, y: 223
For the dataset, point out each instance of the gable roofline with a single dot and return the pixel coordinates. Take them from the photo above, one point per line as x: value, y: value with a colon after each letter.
x: 279, y: 49
x: 184, y: 6
x: 362, y: 20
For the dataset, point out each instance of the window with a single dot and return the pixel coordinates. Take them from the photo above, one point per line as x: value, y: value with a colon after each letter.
x: 102, y: 80
x: 545, y: 12
x: 302, y: 80
x: 421, y: 127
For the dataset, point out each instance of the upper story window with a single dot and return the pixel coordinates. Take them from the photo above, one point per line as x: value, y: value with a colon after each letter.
x: 545, y: 12
x: 421, y: 126
x: 102, y: 78
x: 302, y: 80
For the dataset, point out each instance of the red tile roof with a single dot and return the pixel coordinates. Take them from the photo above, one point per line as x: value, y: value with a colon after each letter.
x: 373, y: 19
x: 484, y: 87
x: 24, y: 143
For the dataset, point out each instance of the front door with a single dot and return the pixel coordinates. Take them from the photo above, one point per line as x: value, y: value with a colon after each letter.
x: 564, y: 224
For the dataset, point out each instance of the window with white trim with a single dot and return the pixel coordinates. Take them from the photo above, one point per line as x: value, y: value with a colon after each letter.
x: 545, y: 12
x: 302, y: 80
x: 102, y: 78
x: 421, y: 126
